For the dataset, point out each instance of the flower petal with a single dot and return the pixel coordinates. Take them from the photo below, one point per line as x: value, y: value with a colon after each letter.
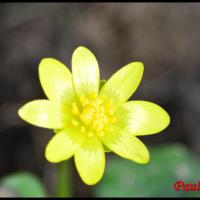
x: 56, y: 81
x: 106, y: 150
x: 85, y: 72
x: 126, y: 145
x: 44, y: 113
x: 120, y: 87
x: 142, y: 117
x: 63, y: 145
x: 90, y: 161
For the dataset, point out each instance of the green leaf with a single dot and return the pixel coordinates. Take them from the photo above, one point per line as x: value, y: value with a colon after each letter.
x: 24, y: 184
x: 168, y: 164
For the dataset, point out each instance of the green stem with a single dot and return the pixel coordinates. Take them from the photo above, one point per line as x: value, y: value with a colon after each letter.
x: 64, y: 187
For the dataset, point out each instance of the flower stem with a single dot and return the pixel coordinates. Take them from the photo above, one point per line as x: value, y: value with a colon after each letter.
x: 64, y: 187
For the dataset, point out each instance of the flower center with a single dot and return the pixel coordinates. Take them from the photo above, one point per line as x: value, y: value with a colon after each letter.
x: 92, y: 114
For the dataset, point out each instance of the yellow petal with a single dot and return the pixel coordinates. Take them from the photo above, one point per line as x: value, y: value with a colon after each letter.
x: 56, y: 81
x: 126, y: 145
x: 142, y: 117
x: 90, y: 161
x: 120, y: 87
x: 63, y: 145
x: 44, y: 113
x: 85, y: 72
x: 106, y: 149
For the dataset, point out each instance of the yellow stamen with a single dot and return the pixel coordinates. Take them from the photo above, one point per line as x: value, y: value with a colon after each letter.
x: 99, y: 127
x: 93, y: 95
x: 83, y: 129
x: 75, y: 122
x: 90, y: 134
x: 100, y: 134
x: 86, y: 115
x: 75, y: 109
x: 83, y: 100
x: 93, y: 115
x: 112, y: 119
x: 110, y: 111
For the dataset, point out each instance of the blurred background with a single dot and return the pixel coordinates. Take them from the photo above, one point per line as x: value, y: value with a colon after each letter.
x: 164, y: 36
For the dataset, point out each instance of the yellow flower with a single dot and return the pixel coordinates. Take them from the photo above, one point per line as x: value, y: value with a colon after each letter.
x: 89, y: 120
